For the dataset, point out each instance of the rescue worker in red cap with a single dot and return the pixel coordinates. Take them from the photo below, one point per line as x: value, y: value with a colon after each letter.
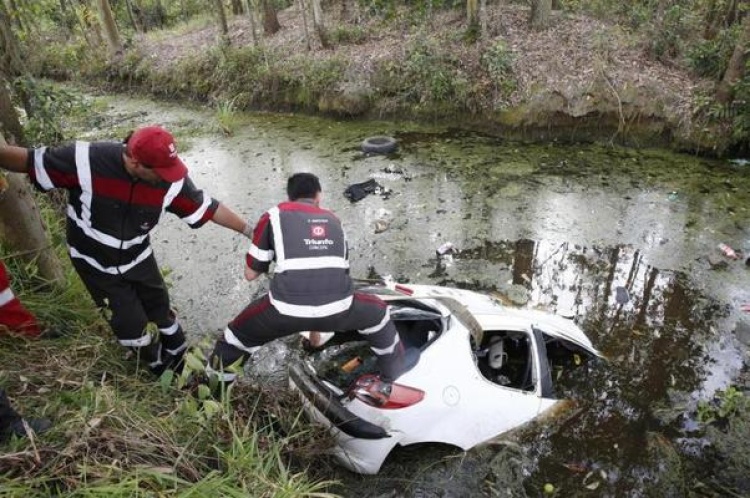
x: 117, y: 191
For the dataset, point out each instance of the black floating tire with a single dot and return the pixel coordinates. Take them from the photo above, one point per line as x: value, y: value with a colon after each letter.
x: 379, y: 145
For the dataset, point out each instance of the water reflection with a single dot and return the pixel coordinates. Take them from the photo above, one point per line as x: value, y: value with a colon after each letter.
x: 654, y: 326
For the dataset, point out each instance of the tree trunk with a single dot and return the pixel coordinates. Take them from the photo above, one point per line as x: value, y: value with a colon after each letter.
x: 219, y: 7
x: 540, y: 14
x: 65, y: 14
x: 133, y: 19
x: 161, y: 14
x: 110, y: 28
x: 319, y: 23
x: 237, y: 9
x: 16, y: 17
x: 483, y: 16
x: 472, y: 12
x: 270, y: 19
x: 736, y: 68
x: 21, y: 226
x: 253, y: 27
x: 303, y: 10
x: 11, y: 60
x: 91, y: 21
x: 140, y: 14
x: 719, y: 16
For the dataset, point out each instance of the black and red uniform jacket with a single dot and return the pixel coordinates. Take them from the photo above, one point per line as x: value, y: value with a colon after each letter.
x: 311, y: 273
x: 110, y: 213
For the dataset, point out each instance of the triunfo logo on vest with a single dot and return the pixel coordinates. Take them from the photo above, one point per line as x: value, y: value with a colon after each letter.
x: 318, y: 238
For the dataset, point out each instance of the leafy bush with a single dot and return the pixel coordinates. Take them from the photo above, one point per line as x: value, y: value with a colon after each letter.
x: 44, y: 105
x: 669, y: 37
x: 498, y: 62
x: 348, y: 35
x: 426, y: 76
x: 710, y: 57
x: 59, y: 60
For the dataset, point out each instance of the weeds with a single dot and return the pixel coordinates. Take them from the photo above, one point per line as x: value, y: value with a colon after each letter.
x: 497, y: 60
x: 226, y: 116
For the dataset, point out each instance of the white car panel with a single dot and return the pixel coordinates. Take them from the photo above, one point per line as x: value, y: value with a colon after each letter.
x: 461, y: 406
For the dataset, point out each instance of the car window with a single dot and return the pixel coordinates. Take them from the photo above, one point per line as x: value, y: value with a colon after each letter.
x: 506, y: 358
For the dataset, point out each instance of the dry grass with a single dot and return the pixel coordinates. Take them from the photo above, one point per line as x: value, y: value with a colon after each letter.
x: 574, y: 54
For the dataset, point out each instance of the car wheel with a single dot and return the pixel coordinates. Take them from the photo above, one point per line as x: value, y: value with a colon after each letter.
x: 379, y: 145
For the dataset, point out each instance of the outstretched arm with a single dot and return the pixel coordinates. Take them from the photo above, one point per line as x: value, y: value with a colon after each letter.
x: 229, y: 219
x: 13, y: 158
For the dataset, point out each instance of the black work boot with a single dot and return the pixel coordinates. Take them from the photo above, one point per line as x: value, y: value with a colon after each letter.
x: 37, y: 425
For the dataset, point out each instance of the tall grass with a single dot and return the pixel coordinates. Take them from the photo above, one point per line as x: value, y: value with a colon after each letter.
x: 119, y: 432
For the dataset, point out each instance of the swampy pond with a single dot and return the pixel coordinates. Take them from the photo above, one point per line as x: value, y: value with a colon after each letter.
x: 624, y: 241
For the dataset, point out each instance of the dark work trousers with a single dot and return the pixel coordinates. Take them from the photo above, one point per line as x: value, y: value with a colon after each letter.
x: 260, y: 323
x: 7, y: 414
x: 129, y: 302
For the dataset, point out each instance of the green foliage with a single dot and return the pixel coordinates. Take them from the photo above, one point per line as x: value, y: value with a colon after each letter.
x: 634, y: 14
x: 497, y: 60
x: 668, y: 38
x: 348, y: 35
x: 427, y: 77
x: 45, y: 104
x: 725, y: 404
x: 226, y: 116
x: 59, y: 60
x: 709, y: 58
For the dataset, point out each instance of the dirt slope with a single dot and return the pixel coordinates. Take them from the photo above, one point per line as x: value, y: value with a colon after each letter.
x: 578, y: 67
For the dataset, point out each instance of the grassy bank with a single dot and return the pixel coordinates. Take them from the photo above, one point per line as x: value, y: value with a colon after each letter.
x: 120, y: 432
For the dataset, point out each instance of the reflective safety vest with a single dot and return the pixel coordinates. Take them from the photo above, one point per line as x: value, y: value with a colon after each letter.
x: 311, y: 275
x: 110, y: 213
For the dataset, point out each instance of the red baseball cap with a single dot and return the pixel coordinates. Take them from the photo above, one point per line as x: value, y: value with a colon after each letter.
x: 154, y: 147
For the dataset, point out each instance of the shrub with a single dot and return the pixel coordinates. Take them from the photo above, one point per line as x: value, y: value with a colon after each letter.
x: 710, y: 57
x: 348, y: 35
x: 427, y: 76
x: 497, y: 60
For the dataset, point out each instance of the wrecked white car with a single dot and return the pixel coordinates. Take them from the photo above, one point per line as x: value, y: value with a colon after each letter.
x: 484, y: 369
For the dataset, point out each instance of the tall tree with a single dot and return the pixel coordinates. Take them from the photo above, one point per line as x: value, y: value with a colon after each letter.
x: 110, y: 28
x: 541, y: 11
x: 302, y: 10
x: 251, y: 16
x: 319, y: 23
x: 270, y: 19
x: 11, y: 56
x: 139, y: 13
x: 21, y: 226
x: 237, y: 8
x: 736, y: 68
x: 219, y: 7
x: 160, y: 14
x: 472, y: 12
x: 137, y: 26
x: 16, y: 18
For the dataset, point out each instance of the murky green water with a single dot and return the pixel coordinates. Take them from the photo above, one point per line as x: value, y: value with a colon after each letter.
x: 561, y: 228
